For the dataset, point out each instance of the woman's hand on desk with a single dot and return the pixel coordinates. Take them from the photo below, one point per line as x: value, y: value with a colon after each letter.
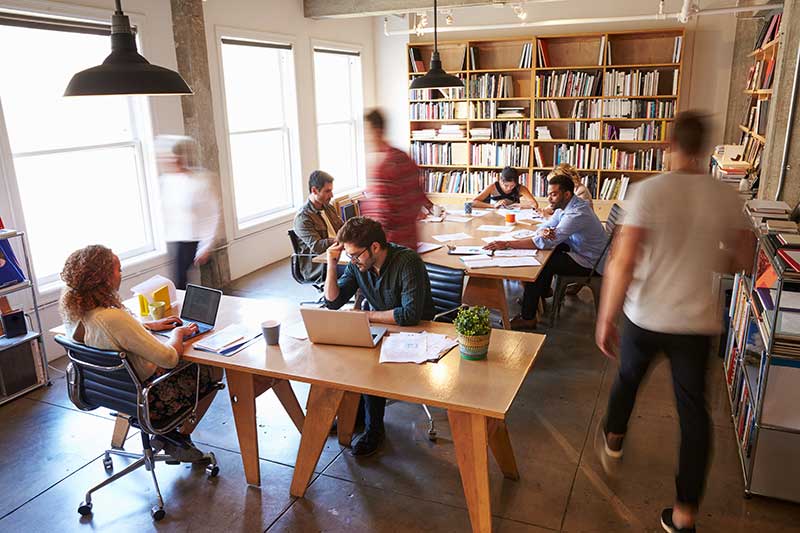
x: 164, y: 323
x: 184, y: 331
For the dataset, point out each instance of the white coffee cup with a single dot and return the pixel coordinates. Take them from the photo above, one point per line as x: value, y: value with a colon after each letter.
x: 437, y: 210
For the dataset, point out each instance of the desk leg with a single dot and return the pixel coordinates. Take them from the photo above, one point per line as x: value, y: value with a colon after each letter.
x: 471, y: 441
x: 283, y: 390
x: 320, y: 410
x: 242, y: 389
x: 488, y: 292
x: 500, y: 444
x: 346, y: 416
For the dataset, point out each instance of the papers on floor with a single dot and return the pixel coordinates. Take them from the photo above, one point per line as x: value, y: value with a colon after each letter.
x: 454, y: 218
x: 416, y: 348
x: 452, y: 237
x: 467, y: 250
x: 515, y: 253
x: 501, y: 229
x: 431, y: 218
x: 296, y: 331
x: 229, y: 340
x: 481, y: 261
x: 423, y: 247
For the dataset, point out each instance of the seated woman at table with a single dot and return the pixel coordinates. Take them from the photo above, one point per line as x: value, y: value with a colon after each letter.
x: 506, y: 192
x: 93, y: 313
x: 565, y: 169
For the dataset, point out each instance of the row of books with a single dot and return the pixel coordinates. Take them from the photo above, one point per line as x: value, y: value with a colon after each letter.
x: 769, y: 31
x: 526, y: 57
x: 761, y: 74
x: 424, y: 153
x: 584, y: 156
x: 622, y: 108
x: 512, y: 129
x: 677, y: 48
x: 437, y: 110
x: 635, y: 83
x: 462, y: 182
x: 616, y: 159
x: 491, y: 86
x: 568, y: 84
x: 500, y: 155
x: 584, y: 131
x: 448, y: 132
x: 756, y: 118
x: 434, y: 94
x: 615, y: 188
x: 648, y: 131
x: 753, y: 148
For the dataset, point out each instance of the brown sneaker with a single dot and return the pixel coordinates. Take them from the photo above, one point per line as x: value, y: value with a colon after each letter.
x: 522, y: 323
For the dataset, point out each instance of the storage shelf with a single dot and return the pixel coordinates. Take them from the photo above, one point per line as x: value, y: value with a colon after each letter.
x: 5, y: 291
x: 756, y: 136
x: 500, y: 99
x: 766, y: 48
x: 10, y: 342
x: 631, y: 171
x: 567, y: 140
x: 654, y: 97
x: 567, y: 119
x: 619, y: 141
x: 450, y: 72
x: 490, y: 167
x: 438, y: 140
x: 500, y: 140
x: 423, y: 100
x: 575, y: 67
x: 628, y: 119
x: 438, y: 120
x: 441, y: 166
x: 568, y: 97
x: 645, y: 65
x: 490, y: 70
x: 518, y: 119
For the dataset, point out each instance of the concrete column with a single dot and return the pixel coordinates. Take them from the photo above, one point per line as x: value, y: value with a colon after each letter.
x: 747, y: 28
x: 188, y: 26
x: 779, y: 114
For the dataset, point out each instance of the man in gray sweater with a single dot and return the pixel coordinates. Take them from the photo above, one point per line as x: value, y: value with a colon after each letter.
x: 317, y: 222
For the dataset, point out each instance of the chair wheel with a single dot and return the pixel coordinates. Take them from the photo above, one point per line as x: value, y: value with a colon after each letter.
x: 108, y: 464
x: 212, y: 470
x: 85, y: 509
x: 157, y: 513
x: 432, y: 436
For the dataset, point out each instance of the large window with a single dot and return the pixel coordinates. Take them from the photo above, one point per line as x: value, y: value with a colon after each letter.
x: 340, y: 105
x: 261, y: 111
x: 77, y: 162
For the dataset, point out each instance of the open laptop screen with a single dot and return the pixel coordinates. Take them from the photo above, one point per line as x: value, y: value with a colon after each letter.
x: 200, y: 304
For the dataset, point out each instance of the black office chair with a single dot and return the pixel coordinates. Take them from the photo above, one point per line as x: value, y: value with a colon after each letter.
x: 105, y: 378
x: 594, y: 280
x: 300, y: 254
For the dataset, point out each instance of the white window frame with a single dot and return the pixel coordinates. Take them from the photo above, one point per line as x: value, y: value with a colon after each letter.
x: 144, y: 258
x: 357, y: 114
x: 272, y: 217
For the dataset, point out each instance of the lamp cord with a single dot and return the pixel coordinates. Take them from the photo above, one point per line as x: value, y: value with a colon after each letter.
x: 119, y: 7
x: 435, y: 31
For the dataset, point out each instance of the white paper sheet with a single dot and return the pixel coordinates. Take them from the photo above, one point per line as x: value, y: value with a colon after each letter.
x: 523, y: 234
x: 501, y: 229
x: 468, y: 250
x: 431, y: 218
x: 454, y: 218
x: 460, y: 213
x: 452, y: 237
x: 297, y: 331
x: 494, y: 238
x: 415, y: 347
x: 473, y: 262
x: 423, y: 247
x: 515, y: 253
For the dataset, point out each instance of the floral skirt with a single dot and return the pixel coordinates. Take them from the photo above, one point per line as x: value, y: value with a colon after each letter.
x: 177, y: 393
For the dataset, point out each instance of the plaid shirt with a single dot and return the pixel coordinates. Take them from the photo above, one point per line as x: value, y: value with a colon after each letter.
x: 394, y: 197
x: 402, y: 286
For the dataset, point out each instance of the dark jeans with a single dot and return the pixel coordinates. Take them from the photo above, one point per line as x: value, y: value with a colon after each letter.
x: 688, y: 355
x: 559, y: 263
x: 182, y: 254
x: 374, y: 407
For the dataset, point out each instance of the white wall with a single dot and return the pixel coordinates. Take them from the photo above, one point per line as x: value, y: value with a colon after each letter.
x: 270, y: 244
x: 706, y: 64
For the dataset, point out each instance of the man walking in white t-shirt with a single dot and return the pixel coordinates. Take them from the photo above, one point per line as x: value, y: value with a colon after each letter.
x: 681, y: 227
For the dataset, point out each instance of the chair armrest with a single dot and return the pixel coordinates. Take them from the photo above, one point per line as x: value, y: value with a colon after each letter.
x: 445, y: 313
x: 179, y: 418
x: 181, y: 365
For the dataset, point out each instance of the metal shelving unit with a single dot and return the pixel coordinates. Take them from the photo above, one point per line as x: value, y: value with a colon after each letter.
x: 34, y: 334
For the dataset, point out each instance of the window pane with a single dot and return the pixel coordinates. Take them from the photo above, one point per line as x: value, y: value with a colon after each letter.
x: 332, y: 82
x: 260, y: 173
x: 32, y: 83
x: 253, y: 94
x: 93, y: 197
x: 337, y: 155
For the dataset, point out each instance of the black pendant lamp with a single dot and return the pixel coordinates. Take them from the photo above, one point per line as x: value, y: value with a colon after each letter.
x: 436, y: 77
x: 124, y: 71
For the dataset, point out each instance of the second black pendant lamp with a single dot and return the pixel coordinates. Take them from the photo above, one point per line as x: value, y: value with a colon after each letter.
x: 436, y: 77
x: 125, y: 71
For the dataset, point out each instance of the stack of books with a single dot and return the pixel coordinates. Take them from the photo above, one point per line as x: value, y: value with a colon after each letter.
x: 451, y: 132
x: 615, y: 188
x: 511, y: 112
x: 784, y: 227
x: 543, y: 132
x: 480, y: 133
x: 424, y: 134
x: 760, y: 210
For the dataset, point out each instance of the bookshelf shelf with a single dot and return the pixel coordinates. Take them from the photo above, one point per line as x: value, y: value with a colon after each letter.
x: 765, y: 93
x: 756, y: 136
x: 546, y: 56
x: 767, y: 48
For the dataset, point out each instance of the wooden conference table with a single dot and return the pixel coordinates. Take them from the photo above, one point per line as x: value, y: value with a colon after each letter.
x: 476, y: 394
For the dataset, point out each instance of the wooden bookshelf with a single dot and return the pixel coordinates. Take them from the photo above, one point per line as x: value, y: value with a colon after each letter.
x: 474, y: 60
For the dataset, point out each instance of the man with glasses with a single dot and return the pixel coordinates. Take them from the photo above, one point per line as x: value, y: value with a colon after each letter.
x: 393, y: 280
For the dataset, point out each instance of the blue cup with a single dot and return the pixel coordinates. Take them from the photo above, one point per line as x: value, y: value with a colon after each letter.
x: 467, y: 208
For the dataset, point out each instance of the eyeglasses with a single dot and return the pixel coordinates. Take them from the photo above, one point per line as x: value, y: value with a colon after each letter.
x: 354, y: 258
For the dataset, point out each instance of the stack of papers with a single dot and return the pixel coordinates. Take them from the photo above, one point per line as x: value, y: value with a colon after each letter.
x: 482, y: 261
x: 455, y: 218
x: 431, y: 218
x: 461, y: 213
x: 467, y: 250
x: 228, y: 341
x: 493, y: 238
x: 501, y: 229
x: 423, y: 247
x: 515, y: 253
x: 452, y: 237
x: 415, y: 347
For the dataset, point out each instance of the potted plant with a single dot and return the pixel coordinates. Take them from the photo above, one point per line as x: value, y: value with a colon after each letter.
x: 473, y: 326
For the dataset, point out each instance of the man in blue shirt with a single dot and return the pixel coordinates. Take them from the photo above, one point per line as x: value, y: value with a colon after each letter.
x: 575, y: 235
x: 394, y: 281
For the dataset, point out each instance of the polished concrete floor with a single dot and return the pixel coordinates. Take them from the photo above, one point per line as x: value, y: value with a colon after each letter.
x: 50, y: 452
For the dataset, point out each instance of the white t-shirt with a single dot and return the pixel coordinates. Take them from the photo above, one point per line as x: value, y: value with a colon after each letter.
x: 687, y: 217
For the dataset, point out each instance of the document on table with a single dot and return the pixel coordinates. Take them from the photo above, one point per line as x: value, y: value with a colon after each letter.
x: 467, y: 250
x: 423, y: 247
x: 452, y: 237
x: 229, y: 340
x: 478, y: 261
x: 416, y: 348
x: 454, y: 218
x: 493, y: 238
x: 515, y: 253
x: 501, y: 229
x: 297, y: 331
x: 431, y: 218
x: 460, y: 212
x: 523, y: 234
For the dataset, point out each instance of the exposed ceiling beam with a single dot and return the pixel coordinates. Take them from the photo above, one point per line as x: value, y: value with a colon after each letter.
x: 371, y: 8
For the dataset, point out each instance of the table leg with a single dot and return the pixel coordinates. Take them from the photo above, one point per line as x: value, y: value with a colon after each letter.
x: 488, y: 292
x: 471, y: 441
x: 321, y: 408
x: 500, y: 444
x: 283, y: 390
x: 242, y: 390
x: 346, y: 416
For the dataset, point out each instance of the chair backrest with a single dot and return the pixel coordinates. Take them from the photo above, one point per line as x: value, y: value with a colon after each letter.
x: 447, y: 286
x: 615, y: 217
x: 104, y: 378
x: 296, y: 260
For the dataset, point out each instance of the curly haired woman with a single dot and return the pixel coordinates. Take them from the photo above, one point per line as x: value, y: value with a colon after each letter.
x: 565, y: 169
x: 94, y: 314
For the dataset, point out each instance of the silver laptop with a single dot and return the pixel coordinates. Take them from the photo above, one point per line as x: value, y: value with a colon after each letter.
x: 346, y: 328
x: 200, y: 306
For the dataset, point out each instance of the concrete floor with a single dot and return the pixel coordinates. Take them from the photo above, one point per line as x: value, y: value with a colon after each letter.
x: 50, y: 454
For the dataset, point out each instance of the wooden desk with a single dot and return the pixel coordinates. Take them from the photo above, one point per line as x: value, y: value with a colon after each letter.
x: 476, y: 394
